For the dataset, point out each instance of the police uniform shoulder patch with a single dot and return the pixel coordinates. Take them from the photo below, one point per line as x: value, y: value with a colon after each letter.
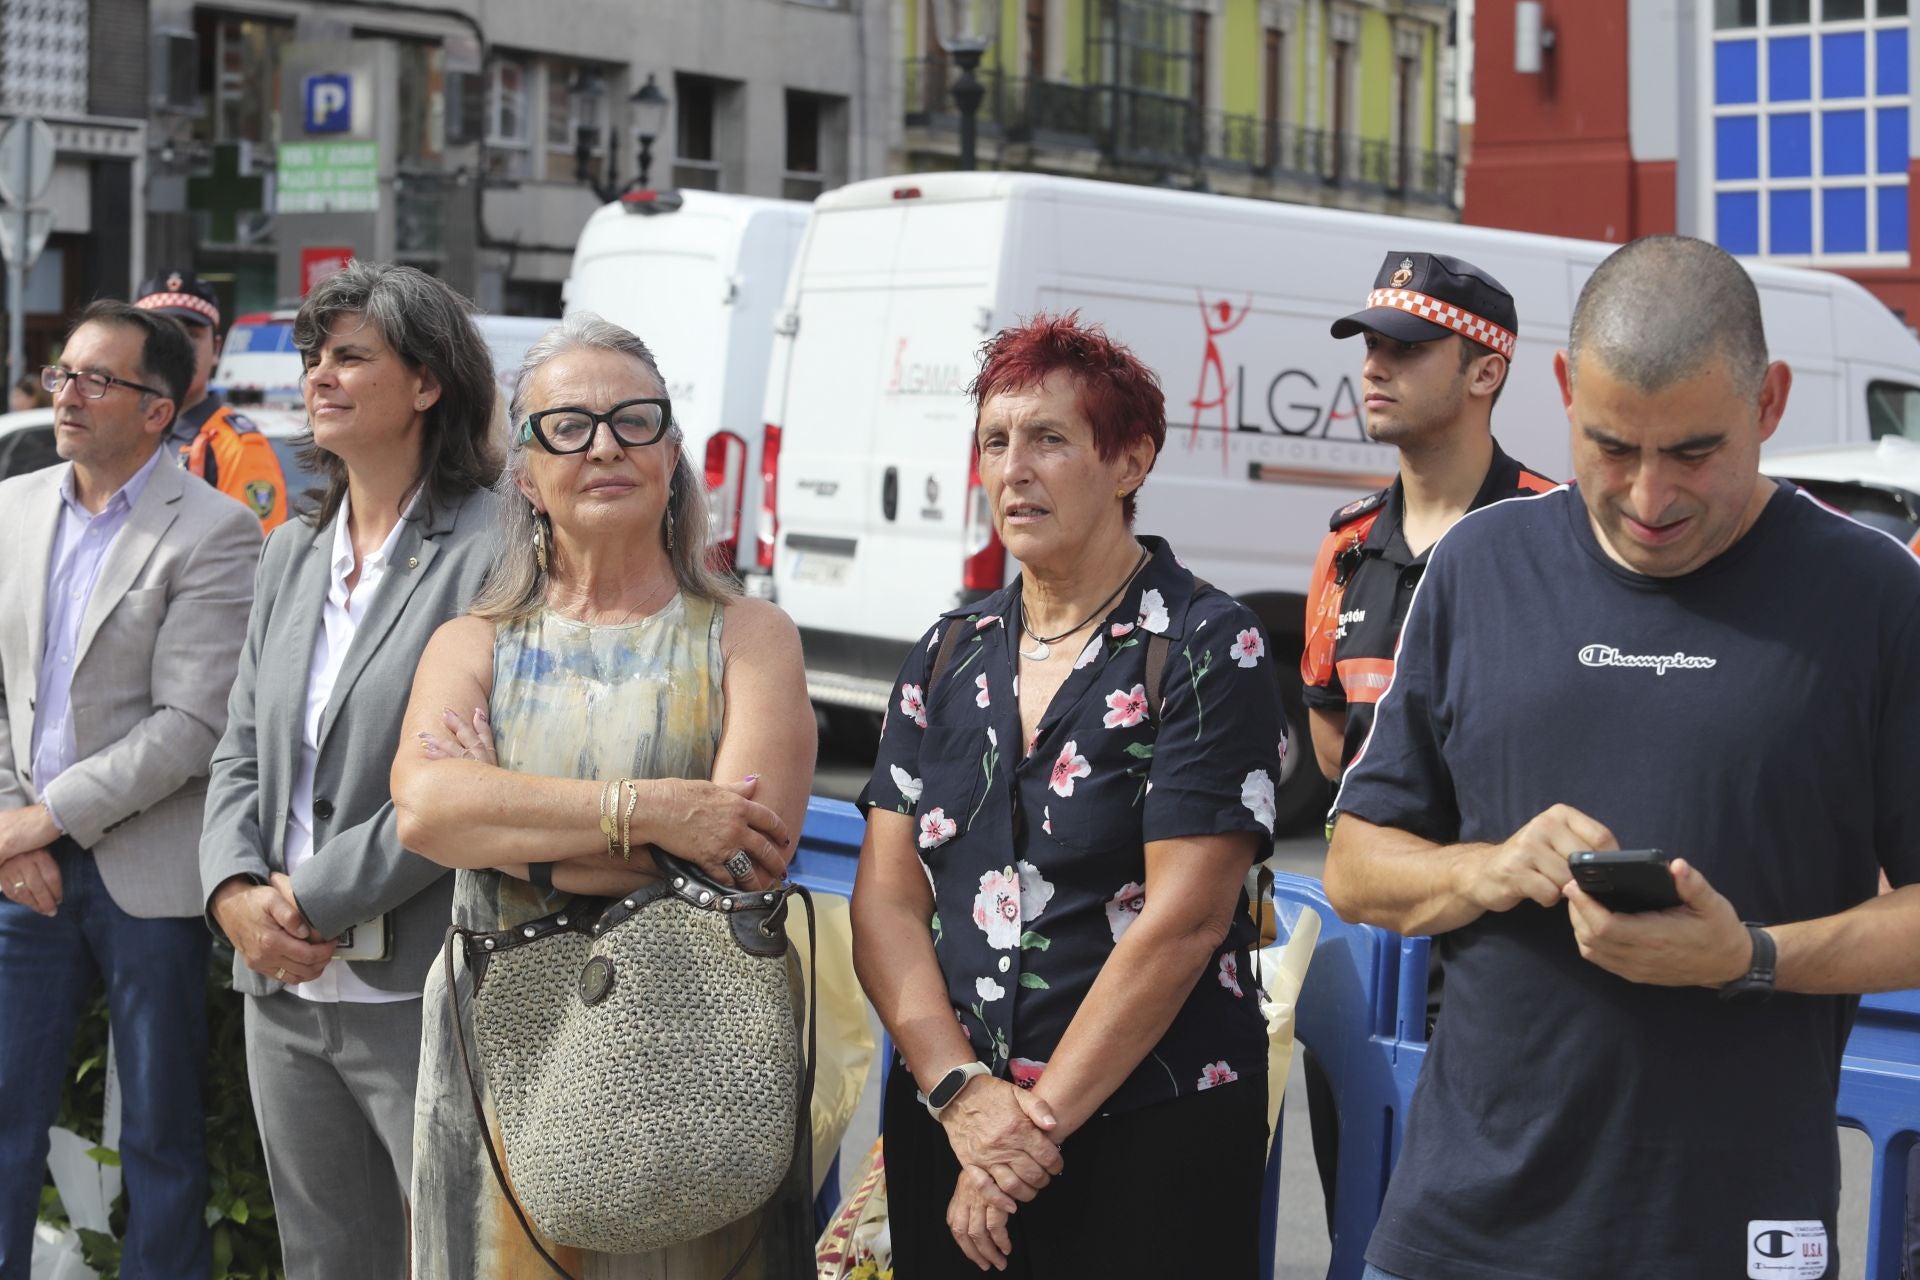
x: 260, y: 497
x: 241, y: 423
x: 1357, y: 508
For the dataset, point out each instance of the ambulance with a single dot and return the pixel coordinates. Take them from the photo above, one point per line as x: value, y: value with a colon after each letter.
x: 872, y: 516
x: 700, y: 277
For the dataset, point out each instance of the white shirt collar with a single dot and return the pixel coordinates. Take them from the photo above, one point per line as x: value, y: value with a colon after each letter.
x: 343, y: 541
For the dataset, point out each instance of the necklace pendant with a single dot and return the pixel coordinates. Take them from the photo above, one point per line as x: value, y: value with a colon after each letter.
x: 1040, y: 652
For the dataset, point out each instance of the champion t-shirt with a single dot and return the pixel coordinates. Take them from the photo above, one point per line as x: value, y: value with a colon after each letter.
x: 1759, y: 717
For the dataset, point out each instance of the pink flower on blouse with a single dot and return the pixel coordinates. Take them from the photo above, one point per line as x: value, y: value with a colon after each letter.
x: 983, y: 623
x: 1122, y: 628
x: 1230, y: 973
x: 1216, y: 1073
x: 1127, y: 708
x: 913, y: 702
x: 1026, y: 1072
x: 1068, y: 767
x: 936, y: 828
x: 981, y: 698
x: 1248, y: 647
x: 1124, y: 907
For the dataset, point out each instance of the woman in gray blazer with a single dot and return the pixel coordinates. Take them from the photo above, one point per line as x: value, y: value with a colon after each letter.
x: 332, y: 922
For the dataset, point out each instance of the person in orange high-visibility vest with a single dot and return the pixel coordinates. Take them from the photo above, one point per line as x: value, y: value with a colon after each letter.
x: 208, y: 436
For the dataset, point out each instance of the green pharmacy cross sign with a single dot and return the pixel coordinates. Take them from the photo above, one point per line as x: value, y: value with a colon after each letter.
x: 225, y: 193
x: 328, y: 177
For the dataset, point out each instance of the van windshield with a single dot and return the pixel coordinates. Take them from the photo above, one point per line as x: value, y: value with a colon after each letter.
x: 1893, y: 409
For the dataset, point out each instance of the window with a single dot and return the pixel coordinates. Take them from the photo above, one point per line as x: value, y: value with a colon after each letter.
x: 1893, y: 409
x: 576, y: 102
x: 240, y: 60
x: 417, y: 99
x: 710, y: 133
x: 1808, y: 133
x: 816, y: 144
x: 509, y: 129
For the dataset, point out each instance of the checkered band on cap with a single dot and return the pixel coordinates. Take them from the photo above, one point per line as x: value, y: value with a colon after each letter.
x: 183, y: 301
x: 1461, y: 321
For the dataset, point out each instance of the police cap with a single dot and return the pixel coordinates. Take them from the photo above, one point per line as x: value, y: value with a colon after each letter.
x: 1421, y: 297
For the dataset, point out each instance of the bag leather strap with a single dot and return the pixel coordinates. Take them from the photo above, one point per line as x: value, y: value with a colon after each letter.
x: 803, y: 1124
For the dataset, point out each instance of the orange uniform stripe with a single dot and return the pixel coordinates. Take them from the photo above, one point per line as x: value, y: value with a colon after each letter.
x: 1364, y: 679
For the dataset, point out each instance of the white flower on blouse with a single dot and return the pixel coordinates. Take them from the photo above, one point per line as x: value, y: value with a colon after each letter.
x: 1256, y: 793
x: 1088, y: 654
x: 1215, y: 1073
x: 936, y: 828
x: 909, y: 785
x: 913, y: 702
x: 1248, y: 647
x: 1153, y: 611
x: 996, y: 909
x: 1124, y: 907
x: 981, y: 698
x: 988, y: 990
x: 1035, y: 890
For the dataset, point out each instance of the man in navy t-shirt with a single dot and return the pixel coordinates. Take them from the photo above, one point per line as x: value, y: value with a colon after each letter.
x: 1726, y: 671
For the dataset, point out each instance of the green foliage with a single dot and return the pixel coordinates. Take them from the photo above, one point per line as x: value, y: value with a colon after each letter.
x: 246, y: 1243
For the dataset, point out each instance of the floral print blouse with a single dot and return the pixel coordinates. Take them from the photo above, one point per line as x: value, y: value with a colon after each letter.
x: 1037, y: 858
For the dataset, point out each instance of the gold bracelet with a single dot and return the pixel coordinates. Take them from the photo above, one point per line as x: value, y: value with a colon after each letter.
x: 626, y: 823
x: 609, y: 809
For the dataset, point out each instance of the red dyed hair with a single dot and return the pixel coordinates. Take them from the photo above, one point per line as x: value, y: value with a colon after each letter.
x: 1117, y: 394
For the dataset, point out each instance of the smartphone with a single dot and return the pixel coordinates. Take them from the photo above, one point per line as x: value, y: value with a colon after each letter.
x: 368, y: 940
x: 1626, y: 879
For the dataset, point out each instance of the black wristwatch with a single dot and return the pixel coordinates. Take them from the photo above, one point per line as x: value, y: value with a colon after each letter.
x: 1757, y: 982
x: 951, y: 1084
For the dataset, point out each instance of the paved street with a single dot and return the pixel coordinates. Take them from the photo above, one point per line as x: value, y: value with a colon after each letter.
x: 1303, y: 1247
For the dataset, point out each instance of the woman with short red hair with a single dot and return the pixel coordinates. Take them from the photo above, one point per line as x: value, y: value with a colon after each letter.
x: 1075, y: 776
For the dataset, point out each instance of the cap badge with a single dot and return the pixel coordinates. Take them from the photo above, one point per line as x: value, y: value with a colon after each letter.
x: 1404, y: 274
x: 174, y: 282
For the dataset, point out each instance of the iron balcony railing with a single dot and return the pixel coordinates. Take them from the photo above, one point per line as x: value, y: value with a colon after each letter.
x: 1143, y: 127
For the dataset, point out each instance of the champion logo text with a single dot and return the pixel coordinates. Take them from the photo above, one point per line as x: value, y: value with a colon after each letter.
x: 1605, y: 655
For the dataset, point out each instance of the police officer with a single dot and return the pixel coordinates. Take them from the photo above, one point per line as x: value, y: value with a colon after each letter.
x: 1440, y: 336
x: 209, y: 437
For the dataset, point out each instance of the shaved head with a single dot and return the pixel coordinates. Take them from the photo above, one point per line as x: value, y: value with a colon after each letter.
x: 1658, y: 310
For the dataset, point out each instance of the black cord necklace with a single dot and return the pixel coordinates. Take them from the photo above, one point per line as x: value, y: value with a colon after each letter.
x: 1042, y: 649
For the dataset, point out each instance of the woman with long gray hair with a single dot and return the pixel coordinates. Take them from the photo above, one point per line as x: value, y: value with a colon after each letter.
x: 604, y: 650
x: 333, y: 922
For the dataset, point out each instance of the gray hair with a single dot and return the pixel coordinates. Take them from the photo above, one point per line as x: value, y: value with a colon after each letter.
x: 429, y: 326
x: 1657, y: 310
x: 516, y: 586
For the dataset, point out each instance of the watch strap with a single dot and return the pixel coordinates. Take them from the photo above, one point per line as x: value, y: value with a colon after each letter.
x: 951, y: 1084
x: 1757, y: 981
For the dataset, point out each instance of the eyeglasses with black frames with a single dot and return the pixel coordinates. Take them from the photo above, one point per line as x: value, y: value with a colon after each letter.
x: 570, y: 429
x: 93, y: 386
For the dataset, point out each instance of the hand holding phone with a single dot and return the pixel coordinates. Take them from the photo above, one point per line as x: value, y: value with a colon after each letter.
x: 1628, y: 880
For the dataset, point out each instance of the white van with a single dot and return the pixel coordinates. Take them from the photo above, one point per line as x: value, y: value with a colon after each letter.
x: 881, y: 525
x: 700, y: 277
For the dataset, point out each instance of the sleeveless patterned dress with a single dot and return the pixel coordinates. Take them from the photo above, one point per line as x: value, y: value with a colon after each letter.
x: 573, y: 700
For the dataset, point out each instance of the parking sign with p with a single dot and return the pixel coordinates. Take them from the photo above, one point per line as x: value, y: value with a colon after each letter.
x: 329, y: 104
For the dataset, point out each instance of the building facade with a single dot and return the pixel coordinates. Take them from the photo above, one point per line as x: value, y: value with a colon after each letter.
x: 474, y: 138
x: 1782, y: 130
x: 1335, y: 102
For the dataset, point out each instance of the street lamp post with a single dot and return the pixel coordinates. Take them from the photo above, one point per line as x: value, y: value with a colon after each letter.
x: 586, y: 91
x: 649, y: 118
x: 965, y: 28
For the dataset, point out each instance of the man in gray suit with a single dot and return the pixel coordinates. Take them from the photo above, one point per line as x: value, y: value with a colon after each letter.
x: 127, y: 584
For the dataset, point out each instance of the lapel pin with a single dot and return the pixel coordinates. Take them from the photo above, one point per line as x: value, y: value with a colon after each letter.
x: 413, y: 562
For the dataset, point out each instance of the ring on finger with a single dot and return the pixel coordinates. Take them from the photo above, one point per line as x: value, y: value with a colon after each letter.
x: 18, y: 885
x: 739, y: 866
x: 280, y: 974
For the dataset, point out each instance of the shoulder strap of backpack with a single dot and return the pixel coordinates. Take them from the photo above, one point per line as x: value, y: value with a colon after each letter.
x: 1158, y: 647
x: 949, y: 641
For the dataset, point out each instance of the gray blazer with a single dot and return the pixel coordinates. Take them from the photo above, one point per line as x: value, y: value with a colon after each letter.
x: 158, y: 646
x: 359, y: 869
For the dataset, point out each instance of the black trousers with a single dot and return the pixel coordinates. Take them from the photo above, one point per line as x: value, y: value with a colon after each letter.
x: 1168, y: 1190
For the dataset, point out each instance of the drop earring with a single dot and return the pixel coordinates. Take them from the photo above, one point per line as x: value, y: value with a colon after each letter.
x: 539, y: 540
x: 668, y: 520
